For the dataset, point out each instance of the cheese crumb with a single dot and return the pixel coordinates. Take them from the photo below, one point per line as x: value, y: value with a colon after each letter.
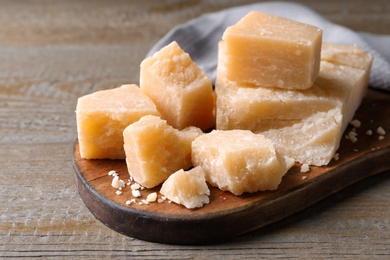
x: 117, y: 183
x: 160, y: 200
x: 381, y: 137
x: 152, y: 197
x: 118, y: 192
x: 352, y: 136
x: 356, y: 123
x: 336, y: 156
x: 369, y: 132
x: 380, y: 131
x: 305, y: 168
x: 136, y: 193
x: 145, y: 202
x: 135, y: 186
x: 111, y: 173
x: 129, y: 202
x: 304, y: 177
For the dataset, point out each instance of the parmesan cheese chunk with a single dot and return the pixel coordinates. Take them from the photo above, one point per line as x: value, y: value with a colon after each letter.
x: 271, y: 51
x: 181, y: 91
x: 306, y: 125
x: 239, y: 161
x: 155, y: 150
x: 188, y: 188
x: 102, y: 116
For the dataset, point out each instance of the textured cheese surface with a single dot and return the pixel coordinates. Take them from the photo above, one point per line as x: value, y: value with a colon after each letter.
x: 181, y: 91
x: 288, y: 117
x: 188, y: 188
x: 239, y: 161
x: 102, y: 116
x: 155, y: 150
x: 271, y: 51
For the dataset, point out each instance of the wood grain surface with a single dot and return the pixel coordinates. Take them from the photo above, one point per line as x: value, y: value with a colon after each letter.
x: 52, y: 52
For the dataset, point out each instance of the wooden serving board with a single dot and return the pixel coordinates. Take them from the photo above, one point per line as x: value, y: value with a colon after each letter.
x: 228, y: 215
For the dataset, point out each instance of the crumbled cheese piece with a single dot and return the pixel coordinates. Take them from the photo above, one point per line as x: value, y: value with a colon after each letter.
x: 336, y: 156
x: 152, y: 197
x: 305, y: 168
x: 369, y: 132
x: 352, y: 136
x: 145, y: 202
x: 117, y: 183
x: 118, y: 192
x: 380, y: 131
x: 129, y: 202
x: 163, y: 198
x: 135, y: 186
x: 160, y: 200
x: 355, y: 150
x: 136, y: 193
x: 381, y: 137
x: 111, y: 173
x: 356, y: 123
x: 304, y: 177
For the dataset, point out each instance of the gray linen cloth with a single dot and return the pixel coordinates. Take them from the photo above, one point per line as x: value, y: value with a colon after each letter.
x: 199, y: 37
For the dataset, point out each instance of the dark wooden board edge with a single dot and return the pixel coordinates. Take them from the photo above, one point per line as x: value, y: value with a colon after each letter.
x: 208, y: 229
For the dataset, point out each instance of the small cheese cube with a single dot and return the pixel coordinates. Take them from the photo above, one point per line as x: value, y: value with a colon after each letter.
x: 271, y: 51
x: 102, y: 116
x: 188, y: 188
x: 239, y: 161
x: 181, y: 91
x: 155, y: 150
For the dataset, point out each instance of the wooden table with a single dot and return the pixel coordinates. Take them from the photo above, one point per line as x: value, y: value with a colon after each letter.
x: 52, y: 52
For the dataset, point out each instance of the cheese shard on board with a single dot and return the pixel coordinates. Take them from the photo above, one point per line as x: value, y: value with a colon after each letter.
x: 155, y: 150
x: 103, y: 115
x: 239, y: 161
x: 188, y: 188
x: 271, y: 51
x: 182, y: 92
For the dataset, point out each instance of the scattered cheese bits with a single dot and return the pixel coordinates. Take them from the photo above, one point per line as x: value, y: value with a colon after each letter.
x: 305, y: 168
x: 187, y: 188
x: 136, y: 193
x: 369, y: 132
x: 380, y: 131
x: 117, y: 183
x: 135, y: 186
x: 152, y: 197
x: 336, y: 156
x: 118, y: 192
x: 112, y: 173
x: 352, y: 136
x: 381, y: 137
x: 356, y: 123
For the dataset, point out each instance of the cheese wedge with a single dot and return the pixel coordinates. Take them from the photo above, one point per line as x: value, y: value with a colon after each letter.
x: 181, y: 91
x: 155, y: 150
x: 188, y: 188
x: 271, y: 51
x: 102, y: 116
x: 239, y: 161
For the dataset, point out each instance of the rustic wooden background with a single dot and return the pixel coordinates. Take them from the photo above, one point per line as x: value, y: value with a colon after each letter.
x: 52, y: 52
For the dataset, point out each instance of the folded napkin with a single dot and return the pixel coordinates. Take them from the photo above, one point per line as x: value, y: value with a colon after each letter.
x: 199, y: 37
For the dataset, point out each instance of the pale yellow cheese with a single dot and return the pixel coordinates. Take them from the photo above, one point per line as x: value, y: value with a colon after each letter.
x: 188, y: 188
x: 102, y: 116
x: 310, y: 137
x: 155, y: 150
x: 271, y: 51
x: 239, y: 161
x: 182, y: 92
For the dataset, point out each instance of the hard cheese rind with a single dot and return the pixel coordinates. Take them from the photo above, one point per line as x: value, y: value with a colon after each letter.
x: 271, y: 51
x: 181, y: 91
x: 155, y: 150
x: 102, y: 116
x: 239, y: 161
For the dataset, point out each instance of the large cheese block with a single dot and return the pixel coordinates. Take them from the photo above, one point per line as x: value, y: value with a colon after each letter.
x: 182, y: 92
x: 188, y: 188
x: 155, y: 150
x: 103, y: 115
x: 271, y: 51
x: 334, y: 97
x: 239, y: 161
